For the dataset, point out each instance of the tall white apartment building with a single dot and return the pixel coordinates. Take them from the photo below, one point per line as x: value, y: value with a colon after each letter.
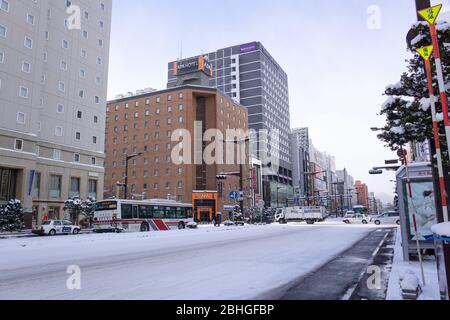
x: 54, y: 57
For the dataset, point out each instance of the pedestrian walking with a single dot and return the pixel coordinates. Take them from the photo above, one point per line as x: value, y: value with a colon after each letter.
x: 219, y: 219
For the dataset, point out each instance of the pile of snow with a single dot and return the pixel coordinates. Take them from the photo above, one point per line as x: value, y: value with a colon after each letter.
x: 425, y: 104
x: 397, y: 85
x: 417, y: 39
x: 442, y: 229
x: 402, y: 269
x: 398, y: 130
x: 409, y: 281
x: 387, y: 103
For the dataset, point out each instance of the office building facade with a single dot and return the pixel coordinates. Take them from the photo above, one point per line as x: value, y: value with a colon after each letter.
x: 146, y: 125
x: 362, y: 192
x: 250, y: 75
x: 53, y: 81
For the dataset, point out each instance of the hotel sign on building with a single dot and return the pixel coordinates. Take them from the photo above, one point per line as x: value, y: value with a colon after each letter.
x: 200, y: 63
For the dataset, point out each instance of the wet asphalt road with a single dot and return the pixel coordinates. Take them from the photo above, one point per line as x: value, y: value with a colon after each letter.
x: 346, y: 276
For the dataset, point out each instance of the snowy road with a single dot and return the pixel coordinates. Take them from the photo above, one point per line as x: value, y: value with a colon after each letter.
x: 204, y: 264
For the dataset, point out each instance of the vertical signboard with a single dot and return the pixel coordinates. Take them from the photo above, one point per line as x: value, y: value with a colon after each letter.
x: 423, y: 203
x: 31, y: 182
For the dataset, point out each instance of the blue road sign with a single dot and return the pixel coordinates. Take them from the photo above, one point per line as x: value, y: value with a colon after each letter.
x: 234, y: 195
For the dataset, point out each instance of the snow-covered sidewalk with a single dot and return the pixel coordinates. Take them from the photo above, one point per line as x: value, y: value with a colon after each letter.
x: 400, y: 267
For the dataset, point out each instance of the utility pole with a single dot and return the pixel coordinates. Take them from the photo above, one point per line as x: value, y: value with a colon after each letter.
x: 426, y: 54
x: 241, y: 172
x: 430, y: 15
x: 127, y: 159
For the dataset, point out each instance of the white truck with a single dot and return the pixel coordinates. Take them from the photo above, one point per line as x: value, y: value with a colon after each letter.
x: 301, y: 214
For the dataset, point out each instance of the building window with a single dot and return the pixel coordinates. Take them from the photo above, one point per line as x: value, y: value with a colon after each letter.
x: 56, y: 154
x: 23, y: 92
x: 18, y: 144
x: 3, y: 31
x: 28, y: 43
x: 79, y: 114
x: 92, y: 189
x: 62, y: 86
x: 8, y: 184
x: 74, y: 187
x: 93, y: 161
x: 95, y: 119
x: 60, y: 108
x: 54, y: 190
x: 76, y: 157
x: 2, y: 56
x: 4, y: 5
x: 59, y: 131
x: 21, y: 118
x: 26, y: 67
x: 36, y: 193
x: 94, y: 140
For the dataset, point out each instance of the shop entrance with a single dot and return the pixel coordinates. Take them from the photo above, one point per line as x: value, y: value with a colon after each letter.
x: 204, y: 215
x: 205, y: 206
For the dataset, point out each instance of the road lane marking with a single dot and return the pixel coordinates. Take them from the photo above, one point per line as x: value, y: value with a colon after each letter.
x: 352, y: 289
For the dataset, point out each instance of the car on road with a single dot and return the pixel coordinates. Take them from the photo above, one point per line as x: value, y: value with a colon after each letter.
x: 54, y: 227
x: 229, y: 223
x: 387, y: 218
x: 192, y: 225
x: 356, y: 218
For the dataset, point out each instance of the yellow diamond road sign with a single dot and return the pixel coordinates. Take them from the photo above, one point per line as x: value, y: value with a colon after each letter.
x: 431, y: 14
x: 425, y: 52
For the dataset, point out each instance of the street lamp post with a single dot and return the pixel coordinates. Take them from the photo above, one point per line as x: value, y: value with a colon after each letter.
x: 241, y: 171
x: 128, y: 158
x: 278, y: 189
x: 307, y: 174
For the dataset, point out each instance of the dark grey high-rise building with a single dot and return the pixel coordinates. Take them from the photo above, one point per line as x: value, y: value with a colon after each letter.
x: 251, y: 76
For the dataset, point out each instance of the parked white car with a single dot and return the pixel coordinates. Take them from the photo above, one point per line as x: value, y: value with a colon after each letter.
x: 54, y: 227
x: 356, y: 218
x: 387, y: 218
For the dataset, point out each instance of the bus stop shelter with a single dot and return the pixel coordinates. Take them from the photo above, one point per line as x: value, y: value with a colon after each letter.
x: 423, y: 202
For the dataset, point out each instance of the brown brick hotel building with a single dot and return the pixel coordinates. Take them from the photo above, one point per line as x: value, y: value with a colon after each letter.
x: 144, y: 124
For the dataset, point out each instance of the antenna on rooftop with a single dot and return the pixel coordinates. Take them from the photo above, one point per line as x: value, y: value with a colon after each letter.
x: 181, y: 50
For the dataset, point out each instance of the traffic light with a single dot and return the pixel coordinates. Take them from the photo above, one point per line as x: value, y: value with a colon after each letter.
x: 373, y: 172
x: 221, y: 177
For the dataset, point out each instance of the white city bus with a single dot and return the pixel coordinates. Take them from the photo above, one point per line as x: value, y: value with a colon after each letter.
x: 149, y: 215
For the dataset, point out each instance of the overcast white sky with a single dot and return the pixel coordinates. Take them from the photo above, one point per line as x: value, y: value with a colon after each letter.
x: 337, y: 66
